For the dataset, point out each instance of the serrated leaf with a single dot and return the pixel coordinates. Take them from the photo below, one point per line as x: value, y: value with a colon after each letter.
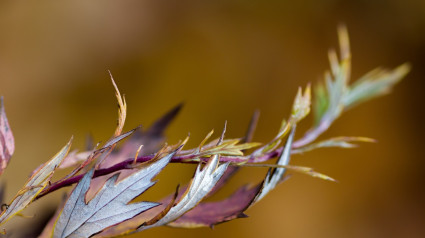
x: 202, y: 183
x: 110, y: 206
x: 337, y: 95
x: 7, y: 142
x: 36, y: 183
x: 274, y: 176
x: 233, y: 207
x: 376, y: 83
x: 228, y: 147
x: 301, y: 106
x: 151, y: 139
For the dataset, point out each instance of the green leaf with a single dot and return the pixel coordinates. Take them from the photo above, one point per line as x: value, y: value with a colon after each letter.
x: 376, y: 83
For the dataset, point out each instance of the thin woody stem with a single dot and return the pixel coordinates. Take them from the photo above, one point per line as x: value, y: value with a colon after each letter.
x: 129, y: 164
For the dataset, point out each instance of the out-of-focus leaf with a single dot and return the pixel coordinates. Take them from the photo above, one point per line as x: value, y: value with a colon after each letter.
x: 376, y: 83
x: 320, y: 101
x: 336, y: 95
x: 343, y: 142
x: 152, y: 138
x: 73, y: 158
x: 328, y: 105
x: 34, y: 185
x: 274, y: 176
x: 48, y: 228
x: 299, y: 169
x: 309, y: 171
x: 7, y: 142
x: 2, y: 192
x: 301, y: 106
x: 111, y: 204
x: 158, y: 127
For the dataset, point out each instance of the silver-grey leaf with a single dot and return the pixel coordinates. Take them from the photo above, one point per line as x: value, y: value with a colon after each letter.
x: 203, y: 181
x: 375, y: 83
x: 273, y: 178
x: 110, y: 206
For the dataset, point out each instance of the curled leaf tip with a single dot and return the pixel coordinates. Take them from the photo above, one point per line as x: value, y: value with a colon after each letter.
x: 222, y: 133
x: 122, y: 107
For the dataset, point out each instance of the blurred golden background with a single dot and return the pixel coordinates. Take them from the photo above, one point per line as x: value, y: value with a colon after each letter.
x: 224, y: 59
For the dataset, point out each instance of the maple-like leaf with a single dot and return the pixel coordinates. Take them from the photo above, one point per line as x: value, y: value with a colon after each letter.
x: 36, y: 183
x: 110, y: 206
x: 202, y: 183
x: 7, y: 142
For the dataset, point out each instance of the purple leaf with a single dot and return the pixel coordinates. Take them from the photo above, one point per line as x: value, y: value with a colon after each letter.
x: 7, y: 142
x: 212, y: 213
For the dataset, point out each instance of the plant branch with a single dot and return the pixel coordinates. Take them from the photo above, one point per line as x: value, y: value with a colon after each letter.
x: 129, y: 164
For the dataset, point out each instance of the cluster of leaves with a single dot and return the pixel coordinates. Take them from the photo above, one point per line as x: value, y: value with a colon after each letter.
x: 109, y: 179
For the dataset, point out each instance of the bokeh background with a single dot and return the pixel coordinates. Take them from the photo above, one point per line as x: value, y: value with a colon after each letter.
x: 224, y: 59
